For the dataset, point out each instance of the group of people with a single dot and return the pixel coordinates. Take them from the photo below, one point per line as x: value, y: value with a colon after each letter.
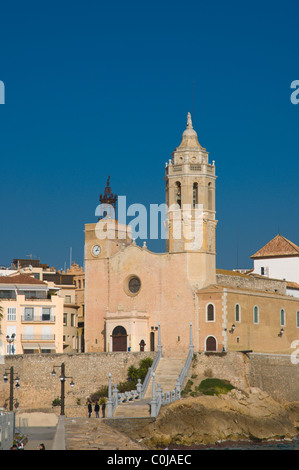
x: 97, y: 409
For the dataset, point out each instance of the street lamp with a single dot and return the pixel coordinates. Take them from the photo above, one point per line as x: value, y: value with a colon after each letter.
x: 62, y: 381
x: 10, y: 372
x: 10, y: 340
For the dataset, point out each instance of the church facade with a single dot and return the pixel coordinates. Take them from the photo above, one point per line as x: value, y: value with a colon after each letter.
x: 131, y: 291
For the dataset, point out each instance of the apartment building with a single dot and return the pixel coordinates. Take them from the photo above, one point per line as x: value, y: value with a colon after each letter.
x: 32, y: 316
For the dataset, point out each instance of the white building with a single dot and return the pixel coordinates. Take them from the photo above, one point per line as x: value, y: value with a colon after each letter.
x: 279, y: 259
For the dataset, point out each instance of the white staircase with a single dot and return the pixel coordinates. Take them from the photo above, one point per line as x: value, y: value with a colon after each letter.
x: 167, y: 373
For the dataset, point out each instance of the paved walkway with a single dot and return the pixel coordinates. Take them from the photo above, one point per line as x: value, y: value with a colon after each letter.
x: 79, y: 434
x: 37, y: 435
x: 94, y: 434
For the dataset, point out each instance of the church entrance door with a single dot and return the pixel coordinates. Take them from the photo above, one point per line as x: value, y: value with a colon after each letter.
x: 119, y: 339
x: 211, y: 343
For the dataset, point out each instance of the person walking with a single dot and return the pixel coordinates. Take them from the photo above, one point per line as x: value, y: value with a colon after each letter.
x: 97, y: 409
x: 89, y: 409
x: 103, y: 409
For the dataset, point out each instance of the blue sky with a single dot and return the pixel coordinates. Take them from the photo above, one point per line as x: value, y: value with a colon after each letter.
x: 95, y: 88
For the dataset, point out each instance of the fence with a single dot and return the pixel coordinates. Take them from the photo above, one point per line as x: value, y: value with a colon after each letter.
x: 7, y: 430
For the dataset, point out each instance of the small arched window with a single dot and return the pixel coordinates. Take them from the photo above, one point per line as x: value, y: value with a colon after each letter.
x: 237, y: 313
x: 282, y: 317
x: 255, y: 314
x: 195, y: 194
x: 210, y: 312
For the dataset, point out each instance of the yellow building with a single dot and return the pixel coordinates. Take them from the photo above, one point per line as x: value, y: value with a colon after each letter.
x: 32, y: 316
x: 130, y: 290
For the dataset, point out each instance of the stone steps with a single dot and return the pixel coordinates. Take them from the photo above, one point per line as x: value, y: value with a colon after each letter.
x: 167, y: 373
x: 138, y: 409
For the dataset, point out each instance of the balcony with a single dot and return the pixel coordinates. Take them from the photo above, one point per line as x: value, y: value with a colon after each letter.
x: 45, y: 318
x: 29, y: 337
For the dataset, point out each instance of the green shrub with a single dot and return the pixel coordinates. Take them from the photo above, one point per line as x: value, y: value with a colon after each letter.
x: 214, y: 387
x: 134, y: 374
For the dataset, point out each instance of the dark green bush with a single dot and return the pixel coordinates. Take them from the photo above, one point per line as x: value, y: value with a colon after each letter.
x: 214, y: 387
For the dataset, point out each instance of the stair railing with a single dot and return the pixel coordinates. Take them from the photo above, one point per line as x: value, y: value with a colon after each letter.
x: 151, y: 370
x: 158, y: 397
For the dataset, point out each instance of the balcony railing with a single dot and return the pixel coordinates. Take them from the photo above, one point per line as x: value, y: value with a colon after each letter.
x: 40, y: 318
x: 28, y: 337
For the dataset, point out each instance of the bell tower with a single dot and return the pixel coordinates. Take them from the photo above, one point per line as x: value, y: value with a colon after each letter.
x: 190, y: 198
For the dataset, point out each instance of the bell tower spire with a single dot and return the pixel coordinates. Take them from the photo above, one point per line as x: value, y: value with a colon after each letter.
x: 190, y: 198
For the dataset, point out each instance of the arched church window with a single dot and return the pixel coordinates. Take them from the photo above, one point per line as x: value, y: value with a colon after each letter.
x: 195, y: 194
x: 210, y: 312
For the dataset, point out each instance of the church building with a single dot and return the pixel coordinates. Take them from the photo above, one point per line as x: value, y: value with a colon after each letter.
x: 131, y: 291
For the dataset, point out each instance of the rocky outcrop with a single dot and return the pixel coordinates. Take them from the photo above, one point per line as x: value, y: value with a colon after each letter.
x: 237, y: 416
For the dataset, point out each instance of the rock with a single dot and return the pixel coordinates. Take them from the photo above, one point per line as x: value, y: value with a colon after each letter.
x: 239, y: 415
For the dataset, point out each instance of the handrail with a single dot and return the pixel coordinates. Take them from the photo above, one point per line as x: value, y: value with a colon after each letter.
x: 154, y: 365
x: 158, y: 397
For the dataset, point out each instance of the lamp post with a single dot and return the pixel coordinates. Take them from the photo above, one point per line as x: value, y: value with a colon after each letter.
x: 10, y: 372
x: 10, y: 340
x: 62, y: 381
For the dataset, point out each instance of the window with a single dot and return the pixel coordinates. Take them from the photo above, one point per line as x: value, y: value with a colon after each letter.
x: 73, y: 319
x: 68, y: 299
x: 210, y: 313
x: 177, y: 195
x: 262, y: 271
x: 28, y: 313
x: 195, y: 194
x: 134, y: 285
x: 256, y: 314
x: 7, y: 294
x: 297, y: 319
x: 46, y: 314
x: 65, y: 319
x: 237, y: 313
x: 210, y: 197
x: 282, y: 317
x: 11, y: 314
x: 46, y: 332
x: 79, y: 284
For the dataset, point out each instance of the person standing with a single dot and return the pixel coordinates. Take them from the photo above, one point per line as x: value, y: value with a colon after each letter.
x: 97, y: 409
x: 89, y: 409
x: 103, y: 409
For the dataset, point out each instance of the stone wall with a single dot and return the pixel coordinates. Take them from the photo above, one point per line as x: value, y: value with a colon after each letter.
x: 89, y: 371
x: 231, y: 366
x: 275, y: 374
x: 252, y: 282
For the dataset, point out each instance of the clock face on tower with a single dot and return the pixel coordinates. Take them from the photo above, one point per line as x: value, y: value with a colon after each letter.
x: 96, y: 250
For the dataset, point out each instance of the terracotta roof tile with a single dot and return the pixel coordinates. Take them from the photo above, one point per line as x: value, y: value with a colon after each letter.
x: 20, y: 279
x: 278, y: 246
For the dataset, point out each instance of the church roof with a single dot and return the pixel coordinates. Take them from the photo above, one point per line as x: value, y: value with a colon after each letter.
x: 279, y: 246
